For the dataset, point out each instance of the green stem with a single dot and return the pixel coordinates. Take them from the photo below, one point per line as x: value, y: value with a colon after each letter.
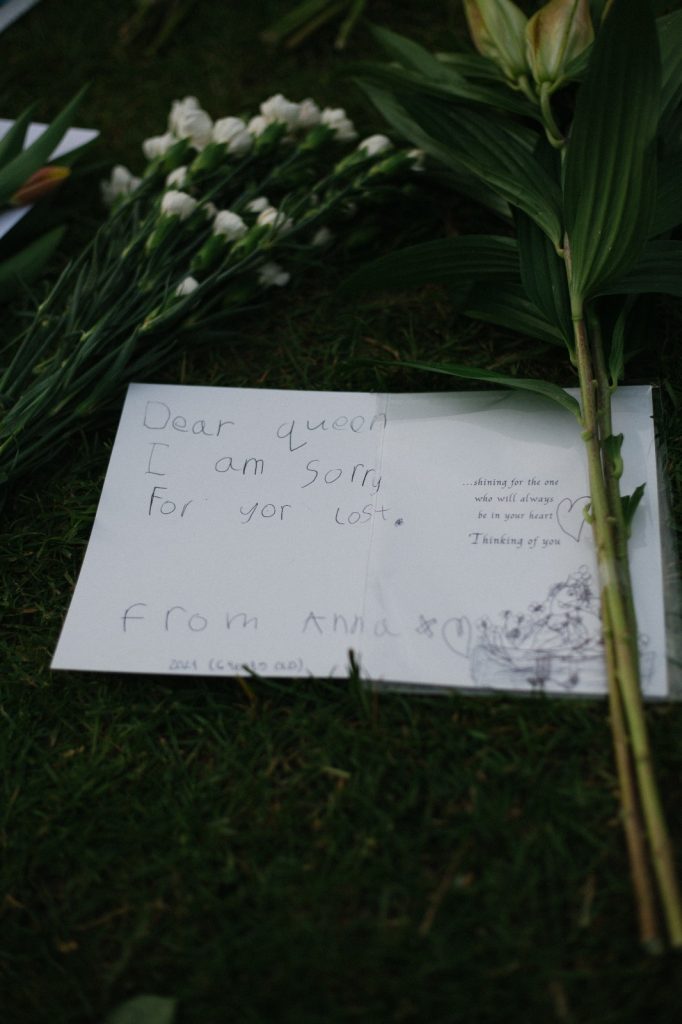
x: 552, y: 131
x: 618, y: 615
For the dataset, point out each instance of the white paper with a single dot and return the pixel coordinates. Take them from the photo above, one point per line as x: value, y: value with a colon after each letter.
x: 10, y: 10
x: 440, y: 537
x: 72, y: 139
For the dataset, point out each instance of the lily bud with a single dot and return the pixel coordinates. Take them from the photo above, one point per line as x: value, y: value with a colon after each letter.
x: 40, y: 184
x: 498, y: 31
x: 555, y: 35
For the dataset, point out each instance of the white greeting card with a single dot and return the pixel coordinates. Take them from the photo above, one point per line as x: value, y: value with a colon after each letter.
x: 10, y: 10
x: 440, y: 537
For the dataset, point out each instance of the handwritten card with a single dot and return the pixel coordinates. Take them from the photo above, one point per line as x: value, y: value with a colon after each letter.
x: 441, y: 537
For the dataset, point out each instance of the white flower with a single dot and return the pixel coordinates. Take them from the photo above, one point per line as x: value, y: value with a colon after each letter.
x: 271, y: 217
x: 322, y: 236
x: 187, y: 286
x: 176, y: 178
x: 417, y: 156
x: 121, y: 183
x: 177, y: 204
x: 281, y: 110
x: 229, y: 225
x: 179, y: 110
x: 257, y: 125
x: 340, y: 124
x: 375, y: 144
x: 158, y: 145
x: 232, y: 132
x: 210, y: 209
x: 188, y: 121
x: 272, y: 274
x: 258, y: 204
x: 308, y: 114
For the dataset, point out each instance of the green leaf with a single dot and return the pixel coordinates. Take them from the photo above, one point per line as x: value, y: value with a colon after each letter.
x: 462, y: 181
x: 617, y: 348
x: 35, y: 156
x: 144, y: 1010
x: 24, y: 267
x: 12, y: 141
x: 295, y: 19
x: 491, y: 149
x: 411, y: 54
x: 670, y: 41
x: 613, y: 446
x: 471, y: 65
x: 543, y: 271
x: 658, y: 271
x: 451, y: 261
x: 630, y: 504
x: 609, y: 182
x: 508, y: 306
x: 442, y: 79
x: 454, y: 87
x: 539, y: 387
x: 668, y: 208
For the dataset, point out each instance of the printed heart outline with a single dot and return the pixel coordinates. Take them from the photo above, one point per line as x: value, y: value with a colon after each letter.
x: 569, y: 526
x: 460, y: 644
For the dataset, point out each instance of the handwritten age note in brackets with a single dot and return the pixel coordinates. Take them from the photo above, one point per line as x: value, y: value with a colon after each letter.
x: 441, y: 537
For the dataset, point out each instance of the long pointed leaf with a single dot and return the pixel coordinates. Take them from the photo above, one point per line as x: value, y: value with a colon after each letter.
x: 456, y: 88
x: 449, y: 261
x: 658, y: 271
x: 508, y: 306
x: 609, y: 185
x: 487, y: 147
x: 668, y: 208
x: 670, y: 40
x: 12, y: 141
x: 543, y: 271
x: 15, y: 173
x: 25, y: 266
x: 539, y: 387
x: 464, y: 182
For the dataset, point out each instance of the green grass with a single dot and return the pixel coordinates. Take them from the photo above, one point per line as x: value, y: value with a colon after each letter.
x: 308, y: 852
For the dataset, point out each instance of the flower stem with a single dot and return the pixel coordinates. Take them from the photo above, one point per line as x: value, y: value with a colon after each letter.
x: 619, y: 621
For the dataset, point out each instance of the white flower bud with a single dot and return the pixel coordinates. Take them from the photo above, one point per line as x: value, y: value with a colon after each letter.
x: 375, y: 144
x: 176, y: 178
x: 281, y: 110
x: 229, y: 225
x: 121, y: 183
x: 187, y: 286
x: 257, y: 125
x: 177, y: 204
x: 272, y: 274
x: 322, y: 236
x: 417, y: 156
x: 158, y: 145
x: 342, y: 126
x: 258, y: 204
x: 179, y: 110
x: 271, y: 217
x: 196, y: 126
x: 232, y: 132
x: 308, y: 114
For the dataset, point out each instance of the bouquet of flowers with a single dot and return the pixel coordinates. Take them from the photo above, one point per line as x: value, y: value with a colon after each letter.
x: 224, y: 210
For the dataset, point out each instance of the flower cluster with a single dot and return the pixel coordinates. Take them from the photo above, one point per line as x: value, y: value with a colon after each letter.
x: 189, y: 121
x: 201, y: 179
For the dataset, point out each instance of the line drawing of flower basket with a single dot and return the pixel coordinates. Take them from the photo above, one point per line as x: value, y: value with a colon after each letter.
x: 557, y: 642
